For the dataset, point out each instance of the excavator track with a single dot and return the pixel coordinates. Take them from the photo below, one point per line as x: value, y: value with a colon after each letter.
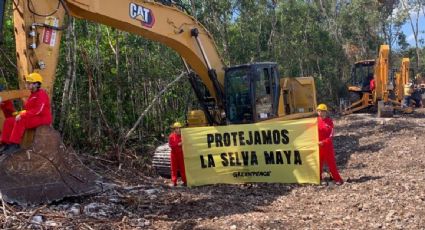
x: 47, y: 171
x: 161, y: 160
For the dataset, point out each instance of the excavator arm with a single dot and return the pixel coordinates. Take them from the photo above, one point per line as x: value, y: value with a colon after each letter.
x: 39, y: 25
x: 381, y: 74
x: 402, y: 78
x: 45, y: 170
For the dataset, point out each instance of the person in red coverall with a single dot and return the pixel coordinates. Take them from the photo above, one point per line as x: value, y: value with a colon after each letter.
x: 8, y: 111
x: 372, y: 84
x: 6, y: 106
x: 36, y: 113
x: 177, y: 160
x: 326, y: 147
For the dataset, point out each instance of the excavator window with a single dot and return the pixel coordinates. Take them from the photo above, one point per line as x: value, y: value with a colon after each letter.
x: 238, y: 96
x: 263, y: 96
x: 252, y: 92
x: 362, y: 73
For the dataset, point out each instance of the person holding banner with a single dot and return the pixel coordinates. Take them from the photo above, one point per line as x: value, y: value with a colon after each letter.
x: 326, y: 148
x: 177, y: 160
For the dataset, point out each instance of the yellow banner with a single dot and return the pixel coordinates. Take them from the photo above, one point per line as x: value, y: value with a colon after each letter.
x: 277, y: 152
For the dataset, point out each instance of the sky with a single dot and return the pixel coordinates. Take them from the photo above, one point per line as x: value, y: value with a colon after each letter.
x: 407, y: 29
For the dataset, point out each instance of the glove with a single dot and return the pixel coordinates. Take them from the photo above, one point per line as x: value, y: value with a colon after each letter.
x: 19, y: 112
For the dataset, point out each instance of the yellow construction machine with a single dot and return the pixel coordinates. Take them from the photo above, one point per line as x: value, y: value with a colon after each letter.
x: 371, y: 86
x: 402, y: 79
x: 297, y: 99
x: 45, y: 170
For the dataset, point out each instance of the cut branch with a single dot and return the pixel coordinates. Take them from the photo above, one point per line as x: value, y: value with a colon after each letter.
x: 153, y: 102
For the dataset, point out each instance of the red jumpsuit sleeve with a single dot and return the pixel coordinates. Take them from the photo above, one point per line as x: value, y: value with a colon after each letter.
x: 328, y: 139
x: 173, y: 141
x: 36, y: 105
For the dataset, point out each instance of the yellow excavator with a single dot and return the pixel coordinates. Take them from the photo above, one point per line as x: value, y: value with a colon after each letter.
x: 44, y: 170
x: 401, y: 79
x: 371, y: 86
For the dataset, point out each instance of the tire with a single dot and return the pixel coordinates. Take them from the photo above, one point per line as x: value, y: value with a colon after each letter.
x: 161, y: 160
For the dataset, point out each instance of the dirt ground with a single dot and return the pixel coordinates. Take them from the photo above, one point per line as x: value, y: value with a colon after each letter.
x: 381, y: 160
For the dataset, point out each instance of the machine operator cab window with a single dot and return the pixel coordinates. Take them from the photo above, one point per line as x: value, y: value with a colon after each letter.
x: 263, y: 99
x: 362, y: 74
x: 252, y: 93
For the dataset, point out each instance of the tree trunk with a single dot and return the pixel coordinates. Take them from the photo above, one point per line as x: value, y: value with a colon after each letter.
x: 98, y: 76
x: 414, y: 24
x: 192, y: 4
x: 74, y: 70
x: 70, y: 49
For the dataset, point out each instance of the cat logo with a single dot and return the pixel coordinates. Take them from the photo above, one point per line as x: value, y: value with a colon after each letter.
x: 142, y: 14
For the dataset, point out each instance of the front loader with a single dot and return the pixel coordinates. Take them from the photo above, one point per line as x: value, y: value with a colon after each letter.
x: 387, y: 93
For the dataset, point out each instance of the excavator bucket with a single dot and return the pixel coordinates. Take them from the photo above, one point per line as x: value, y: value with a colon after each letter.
x: 46, y: 171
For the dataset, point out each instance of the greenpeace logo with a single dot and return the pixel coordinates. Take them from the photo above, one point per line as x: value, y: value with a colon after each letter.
x: 142, y: 14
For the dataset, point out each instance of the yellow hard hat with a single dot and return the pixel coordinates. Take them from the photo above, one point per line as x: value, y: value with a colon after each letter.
x: 176, y: 125
x: 34, y: 77
x: 322, y: 107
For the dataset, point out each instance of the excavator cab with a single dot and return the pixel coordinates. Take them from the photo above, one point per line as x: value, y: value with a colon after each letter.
x: 361, y: 75
x: 252, y: 92
x: 359, y: 87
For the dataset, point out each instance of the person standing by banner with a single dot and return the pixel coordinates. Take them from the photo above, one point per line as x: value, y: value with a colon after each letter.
x: 326, y: 148
x: 177, y: 160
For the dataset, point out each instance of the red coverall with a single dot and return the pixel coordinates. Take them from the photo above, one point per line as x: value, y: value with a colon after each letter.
x: 37, y: 113
x: 326, y: 151
x: 372, y: 84
x: 7, y: 108
x: 177, y: 161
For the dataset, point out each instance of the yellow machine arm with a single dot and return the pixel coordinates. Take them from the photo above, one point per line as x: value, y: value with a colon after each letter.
x: 45, y: 170
x: 402, y: 78
x: 39, y: 23
x: 381, y: 74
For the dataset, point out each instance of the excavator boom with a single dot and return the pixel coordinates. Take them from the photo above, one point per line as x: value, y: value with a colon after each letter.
x: 45, y: 170
x: 43, y: 21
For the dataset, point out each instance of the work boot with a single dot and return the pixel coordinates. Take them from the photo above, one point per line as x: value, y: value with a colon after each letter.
x: 339, y: 182
x: 12, y: 148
